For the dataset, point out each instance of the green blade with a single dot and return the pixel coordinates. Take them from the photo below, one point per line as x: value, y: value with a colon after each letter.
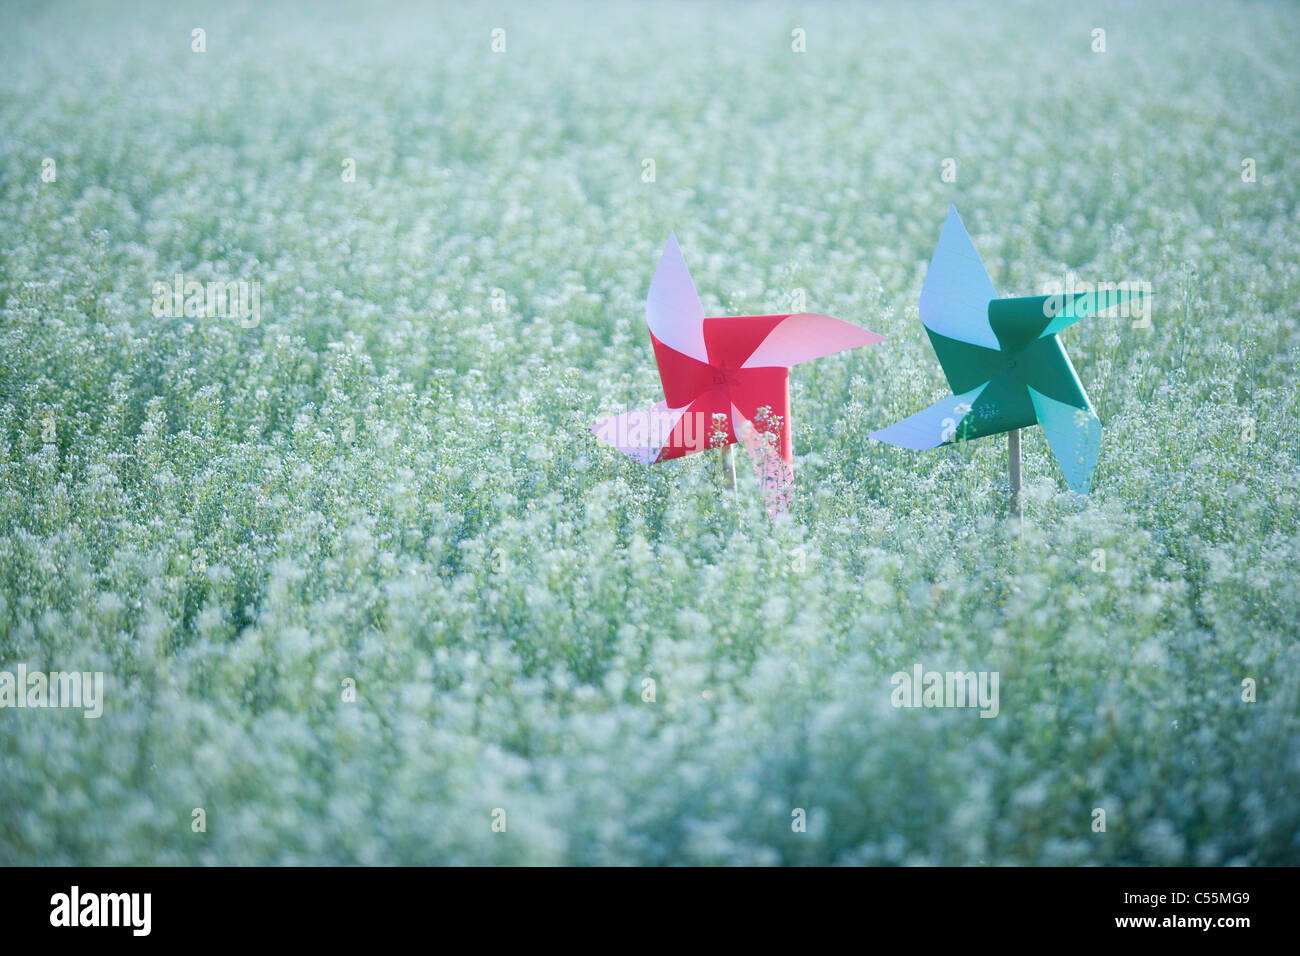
x: 1066, y: 310
x: 1018, y: 321
x: 964, y: 365
x: 1044, y: 367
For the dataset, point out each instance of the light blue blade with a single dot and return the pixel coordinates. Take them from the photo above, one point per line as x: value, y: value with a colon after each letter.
x: 1073, y: 434
x: 957, y: 290
x: 932, y: 426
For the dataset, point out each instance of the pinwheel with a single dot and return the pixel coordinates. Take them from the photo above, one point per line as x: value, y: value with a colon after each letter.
x: 725, y: 379
x: 1004, y: 363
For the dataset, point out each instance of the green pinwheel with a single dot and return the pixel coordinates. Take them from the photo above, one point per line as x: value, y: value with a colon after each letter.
x: 1004, y: 362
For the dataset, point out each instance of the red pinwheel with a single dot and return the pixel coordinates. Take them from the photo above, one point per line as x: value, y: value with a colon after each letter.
x: 725, y: 379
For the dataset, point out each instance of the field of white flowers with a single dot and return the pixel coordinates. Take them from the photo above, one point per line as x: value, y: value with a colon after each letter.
x: 361, y: 582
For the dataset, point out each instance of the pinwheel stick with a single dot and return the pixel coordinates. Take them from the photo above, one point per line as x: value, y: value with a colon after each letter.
x: 728, y: 453
x: 1013, y: 466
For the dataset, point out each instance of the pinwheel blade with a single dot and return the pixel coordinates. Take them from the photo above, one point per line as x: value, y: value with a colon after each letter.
x: 1066, y: 310
x: 933, y: 426
x: 672, y: 308
x: 1073, y: 434
x: 642, y: 433
x: 957, y: 290
x: 807, y: 335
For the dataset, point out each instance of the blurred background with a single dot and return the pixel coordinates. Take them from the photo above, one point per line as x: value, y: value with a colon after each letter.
x: 451, y: 215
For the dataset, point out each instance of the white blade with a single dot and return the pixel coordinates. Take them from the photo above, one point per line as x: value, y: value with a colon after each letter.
x: 642, y: 433
x: 807, y: 335
x: 672, y: 309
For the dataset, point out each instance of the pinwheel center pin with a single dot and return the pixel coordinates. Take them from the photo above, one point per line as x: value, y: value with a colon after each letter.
x: 724, y: 376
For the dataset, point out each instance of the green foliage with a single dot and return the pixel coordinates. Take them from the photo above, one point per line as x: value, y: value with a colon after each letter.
x: 389, y: 479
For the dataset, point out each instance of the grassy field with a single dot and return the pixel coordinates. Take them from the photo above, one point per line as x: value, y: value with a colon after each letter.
x: 362, y: 584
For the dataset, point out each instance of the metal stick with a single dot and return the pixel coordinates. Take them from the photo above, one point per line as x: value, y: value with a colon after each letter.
x: 1013, y: 466
x: 728, y: 453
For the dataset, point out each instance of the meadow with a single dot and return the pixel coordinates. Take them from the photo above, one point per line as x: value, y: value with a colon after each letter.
x: 365, y: 589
